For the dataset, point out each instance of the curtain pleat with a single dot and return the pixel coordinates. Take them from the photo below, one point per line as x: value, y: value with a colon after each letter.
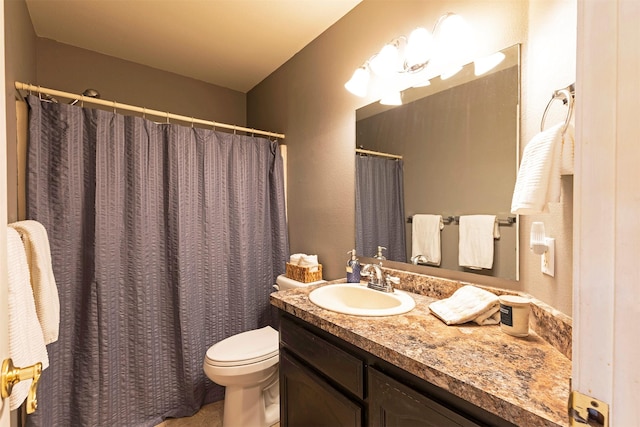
x: 380, y: 207
x: 165, y: 239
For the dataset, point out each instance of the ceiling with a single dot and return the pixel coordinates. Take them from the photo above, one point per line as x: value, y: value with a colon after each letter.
x: 230, y: 43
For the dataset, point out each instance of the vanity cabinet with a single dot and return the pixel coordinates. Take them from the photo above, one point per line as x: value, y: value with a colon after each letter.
x: 391, y: 403
x: 308, y: 400
x: 325, y: 381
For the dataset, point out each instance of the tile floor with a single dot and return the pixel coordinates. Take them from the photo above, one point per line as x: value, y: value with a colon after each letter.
x: 209, y: 416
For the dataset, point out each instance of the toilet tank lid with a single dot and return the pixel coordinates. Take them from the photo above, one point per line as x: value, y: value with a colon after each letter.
x: 247, y: 347
x: 284, y: 283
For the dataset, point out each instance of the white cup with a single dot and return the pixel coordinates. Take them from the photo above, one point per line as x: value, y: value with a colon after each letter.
x: 514, y: 315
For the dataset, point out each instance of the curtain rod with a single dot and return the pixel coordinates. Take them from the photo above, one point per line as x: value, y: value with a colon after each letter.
x: 377, y: 153
x: 144, y: 111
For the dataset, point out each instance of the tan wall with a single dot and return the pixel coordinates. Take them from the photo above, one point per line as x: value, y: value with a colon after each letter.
x: 20, y: 64
x: 71, y: 69
x: 306, y: 100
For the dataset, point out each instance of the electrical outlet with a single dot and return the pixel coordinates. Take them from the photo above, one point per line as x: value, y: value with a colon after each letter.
x: 548, y: 259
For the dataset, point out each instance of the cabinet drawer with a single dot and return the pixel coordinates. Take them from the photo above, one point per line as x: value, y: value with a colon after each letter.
x: 341, y: 367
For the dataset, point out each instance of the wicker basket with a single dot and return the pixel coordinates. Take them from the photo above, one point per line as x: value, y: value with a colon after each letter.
x: 303, y: 274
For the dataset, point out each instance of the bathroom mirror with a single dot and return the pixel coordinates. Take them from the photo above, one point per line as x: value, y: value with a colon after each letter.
x: 459, y: 142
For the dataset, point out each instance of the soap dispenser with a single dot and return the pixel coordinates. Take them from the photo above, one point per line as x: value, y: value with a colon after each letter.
x: 379, y: 255
x: 353, y: 268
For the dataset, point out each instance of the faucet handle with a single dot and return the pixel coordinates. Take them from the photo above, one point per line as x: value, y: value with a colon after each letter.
x: 391, y: 279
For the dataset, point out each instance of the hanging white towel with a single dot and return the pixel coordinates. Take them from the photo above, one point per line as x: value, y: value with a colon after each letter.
x: 475, y: 246
x: 45, y: 292
x: 568, y: 149
x: 26, y: 343
x: 538, y: 182
x: 425, y: 237
x: 467, y: 304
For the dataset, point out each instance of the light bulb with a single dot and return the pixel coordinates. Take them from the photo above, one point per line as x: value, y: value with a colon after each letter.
x: 450, y: 72
x: 419, y: 48
x: 391, y: 98
x: 386, y: 61
x: 487, y: 63
x: 453, y: 43
x: 359, y: 82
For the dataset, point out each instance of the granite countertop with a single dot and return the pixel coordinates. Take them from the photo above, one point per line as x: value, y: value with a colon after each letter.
x: 523, y: 380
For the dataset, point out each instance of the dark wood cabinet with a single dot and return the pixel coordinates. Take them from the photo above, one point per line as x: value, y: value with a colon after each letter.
x: 327, y: 382
x: 392, y: 404
x: 307, y: 400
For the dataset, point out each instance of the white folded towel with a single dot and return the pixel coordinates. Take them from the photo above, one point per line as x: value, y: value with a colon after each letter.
x: 467, y: 304
x: 425, y: 237
x: 26, y: 343
x: 309, y: 261
x: 295, y: 258
x: 45, y: 292
x: 538, y: 182
x: 475, y: 246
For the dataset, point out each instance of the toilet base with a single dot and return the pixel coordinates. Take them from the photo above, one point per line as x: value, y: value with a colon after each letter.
x: 257, y: 406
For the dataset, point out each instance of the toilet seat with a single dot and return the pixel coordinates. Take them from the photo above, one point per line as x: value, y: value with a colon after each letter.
x: 245, y: 348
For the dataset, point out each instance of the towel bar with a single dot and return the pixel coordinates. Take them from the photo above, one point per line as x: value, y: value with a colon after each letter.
x: 510, y: 220
x: 567, y: 96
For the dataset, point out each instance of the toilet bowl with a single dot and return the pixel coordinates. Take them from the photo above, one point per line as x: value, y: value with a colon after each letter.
x: 246, y: 364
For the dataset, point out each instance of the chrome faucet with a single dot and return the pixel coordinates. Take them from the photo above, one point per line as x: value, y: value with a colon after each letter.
x: 378, y: 280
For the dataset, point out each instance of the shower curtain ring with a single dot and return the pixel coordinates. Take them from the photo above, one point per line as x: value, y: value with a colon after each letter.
x: 81, y: 101
x: 192, y: 119
x: 115, y: 107
x: 168, y: 118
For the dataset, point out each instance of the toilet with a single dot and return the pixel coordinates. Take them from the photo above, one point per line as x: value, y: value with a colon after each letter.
x: 246, y: 364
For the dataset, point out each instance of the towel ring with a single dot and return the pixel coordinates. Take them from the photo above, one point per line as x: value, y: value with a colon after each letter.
x: 566, y: 95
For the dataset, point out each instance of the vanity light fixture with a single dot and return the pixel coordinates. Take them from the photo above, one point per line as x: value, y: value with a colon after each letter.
x: 402, y: 62
x: 540, y: 244
x: 412, y: 61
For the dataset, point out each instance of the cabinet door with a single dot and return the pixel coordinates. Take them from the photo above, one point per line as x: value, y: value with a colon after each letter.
x: 392, y: 404
x: 306, y: 400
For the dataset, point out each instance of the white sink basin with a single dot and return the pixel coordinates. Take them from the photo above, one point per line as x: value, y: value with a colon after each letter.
x: 358, y: 300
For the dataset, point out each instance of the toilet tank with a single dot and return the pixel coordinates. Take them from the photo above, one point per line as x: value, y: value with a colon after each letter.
x: 284, y: 283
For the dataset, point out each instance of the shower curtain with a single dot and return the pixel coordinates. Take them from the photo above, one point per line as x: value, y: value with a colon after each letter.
x: 165, y: 239
x: 380, y: 207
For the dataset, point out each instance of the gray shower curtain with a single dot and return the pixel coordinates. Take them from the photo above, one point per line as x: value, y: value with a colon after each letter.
x: 380, y: 207
x: 165, y: 239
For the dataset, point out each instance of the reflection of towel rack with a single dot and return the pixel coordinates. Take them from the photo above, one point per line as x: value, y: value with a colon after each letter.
x: 456, y: 220
x: 567, y: 96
